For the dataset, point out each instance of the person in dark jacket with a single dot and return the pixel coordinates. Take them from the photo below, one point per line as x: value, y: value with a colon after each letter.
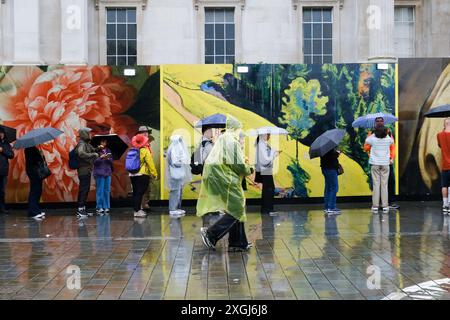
x: 6, y: 153
x: 86, y: 154
x: 330, y: 166
x: 33, y: 159
x: 103, y: 166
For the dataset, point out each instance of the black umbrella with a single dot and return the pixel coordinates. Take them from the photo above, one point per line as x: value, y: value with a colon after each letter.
x: 439, y: 112
x: 326, y: 142
x: 114, y: 143
x: 36, y: 137
x: 10, y: 133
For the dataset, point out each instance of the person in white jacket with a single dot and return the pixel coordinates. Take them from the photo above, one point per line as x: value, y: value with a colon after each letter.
x: 178, y: 173
x: 265, y: 157
x: 379, y: 161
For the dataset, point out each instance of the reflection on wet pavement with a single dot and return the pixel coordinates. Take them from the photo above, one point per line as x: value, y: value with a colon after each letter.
x: 298, y: 254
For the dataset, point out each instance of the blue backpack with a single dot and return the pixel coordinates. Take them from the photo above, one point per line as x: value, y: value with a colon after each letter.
x: 74, y: 161
x: 133, y: 161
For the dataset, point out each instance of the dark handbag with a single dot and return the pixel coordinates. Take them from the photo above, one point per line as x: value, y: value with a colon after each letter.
x: 340, y: 170
x: 43, y: 171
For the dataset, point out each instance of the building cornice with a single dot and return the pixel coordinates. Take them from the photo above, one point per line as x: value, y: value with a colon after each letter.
x: 297, y: 3
x: 219, y: 3
x: 143, y: 3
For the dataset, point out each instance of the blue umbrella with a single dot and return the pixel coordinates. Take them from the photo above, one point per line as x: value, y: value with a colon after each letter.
x: 217, y: 120
x: 326, y: 142
x: 36, y: 137
x: 368, y: 121
x: 439, y: 112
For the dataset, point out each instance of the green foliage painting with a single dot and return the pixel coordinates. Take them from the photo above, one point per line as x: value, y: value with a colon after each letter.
x: 306, y: 100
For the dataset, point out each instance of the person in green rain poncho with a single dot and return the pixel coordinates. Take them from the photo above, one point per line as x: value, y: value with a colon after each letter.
x: 221, y: 190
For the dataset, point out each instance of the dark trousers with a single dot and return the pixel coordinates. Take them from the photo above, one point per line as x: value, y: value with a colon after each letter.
x: 228, y: 224
x: 34, y: 197
x: 83, y: 190
x: 140, y: 186
x: 3, y: 180
x: 391, y: 185
x: 331, y: 188
x: 268, y: 191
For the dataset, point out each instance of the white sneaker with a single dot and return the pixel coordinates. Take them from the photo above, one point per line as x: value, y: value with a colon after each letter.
x: 176, y: 214
x: 181, y: 211
x: 99, y: 212
x: 106, y: 211
x: 386, y: 210
x: 139, y: 220
x: 375, y: 209
x: 140, y: 213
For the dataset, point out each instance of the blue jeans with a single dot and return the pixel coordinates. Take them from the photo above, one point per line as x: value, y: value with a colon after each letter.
x: 103, y: 190
x: 34, y: 197
x: 331, y: 187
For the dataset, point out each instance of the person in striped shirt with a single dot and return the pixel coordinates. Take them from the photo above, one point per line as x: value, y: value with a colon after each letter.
x: 379, y: 122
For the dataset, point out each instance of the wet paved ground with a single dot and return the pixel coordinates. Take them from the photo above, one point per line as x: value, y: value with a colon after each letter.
x: 298, y: 254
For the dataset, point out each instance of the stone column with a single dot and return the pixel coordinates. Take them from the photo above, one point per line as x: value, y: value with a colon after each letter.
x: 74, y: 31
x: 26, y: 32
x: 380, y: 23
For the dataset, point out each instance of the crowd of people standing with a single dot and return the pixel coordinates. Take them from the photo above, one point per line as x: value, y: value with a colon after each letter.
x: 223, y: 169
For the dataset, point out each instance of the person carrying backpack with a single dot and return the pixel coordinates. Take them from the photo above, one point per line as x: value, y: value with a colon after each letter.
x: 140, y: 164
x: 86, y: 155
x: 201, y: 153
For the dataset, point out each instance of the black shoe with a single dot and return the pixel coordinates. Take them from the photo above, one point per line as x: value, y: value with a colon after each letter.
x: 240, y: 249
x: 82, y: 213
x: 37, y: 217
x: 205, y: 238
x: 394, y: 206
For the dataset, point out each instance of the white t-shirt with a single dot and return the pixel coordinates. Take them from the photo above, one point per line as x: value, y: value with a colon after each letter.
x: 379, y: 151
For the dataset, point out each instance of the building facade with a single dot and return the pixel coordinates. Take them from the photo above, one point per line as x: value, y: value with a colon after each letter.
x: 151, y: 32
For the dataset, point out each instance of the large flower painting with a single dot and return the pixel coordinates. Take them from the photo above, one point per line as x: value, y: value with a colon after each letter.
x: 70, y: 98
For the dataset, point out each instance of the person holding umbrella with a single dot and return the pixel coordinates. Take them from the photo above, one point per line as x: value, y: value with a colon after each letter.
x: 265, y: 157
x: 330, y: 167
x: 325, y: 148
x: 6, y: 154
x: 34, y: 159
x: 379, y: 160
x: 103, y: 167
x: 86, y: 154
x: 380, y: 120
x: 35, y: 165
x: 443, y: 139
x: 110, y: 147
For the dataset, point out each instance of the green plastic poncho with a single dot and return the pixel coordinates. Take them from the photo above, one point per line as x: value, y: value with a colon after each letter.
x: 224, y: 169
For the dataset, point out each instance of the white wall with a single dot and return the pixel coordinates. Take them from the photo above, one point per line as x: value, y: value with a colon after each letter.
x: 270, y: 32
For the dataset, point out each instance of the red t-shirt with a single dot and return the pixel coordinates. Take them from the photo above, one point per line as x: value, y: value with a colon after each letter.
x: 444, y: 143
